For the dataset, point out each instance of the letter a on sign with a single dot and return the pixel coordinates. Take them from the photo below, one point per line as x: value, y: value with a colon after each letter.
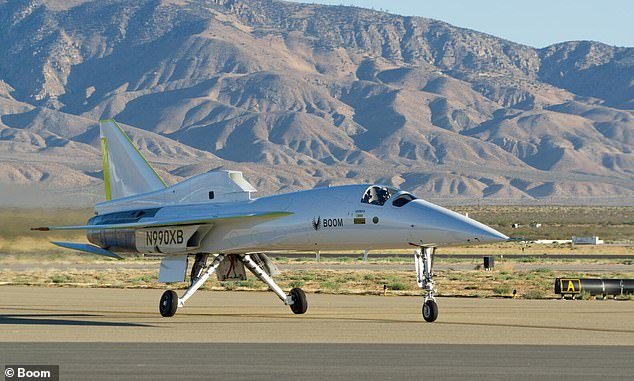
x: 571, y: 286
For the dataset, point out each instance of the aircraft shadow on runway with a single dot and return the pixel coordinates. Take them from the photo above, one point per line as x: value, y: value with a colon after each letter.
x: 57, y: 319
x: 388, y: 321
x: 500, y: 325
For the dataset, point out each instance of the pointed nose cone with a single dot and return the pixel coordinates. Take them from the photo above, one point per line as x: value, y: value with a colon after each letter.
x: 484, y: 233
x: 437, y: 225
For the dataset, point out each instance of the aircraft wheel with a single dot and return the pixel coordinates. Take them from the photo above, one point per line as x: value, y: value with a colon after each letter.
x: 430, y: 311
x: 300, y: 304
x: 168, y: 303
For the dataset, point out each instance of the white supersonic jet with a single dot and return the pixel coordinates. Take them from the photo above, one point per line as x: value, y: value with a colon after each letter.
x: 214, y: 214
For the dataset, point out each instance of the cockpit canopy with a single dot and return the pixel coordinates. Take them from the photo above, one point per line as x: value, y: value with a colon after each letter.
x: 379, y: 195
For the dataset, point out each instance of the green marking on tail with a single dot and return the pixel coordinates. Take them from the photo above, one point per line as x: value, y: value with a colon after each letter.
x: 106, y: 171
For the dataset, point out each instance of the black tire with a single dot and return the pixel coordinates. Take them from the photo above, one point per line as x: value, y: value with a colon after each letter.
x: 168, y: 304
x: 430, y: 311
x: 300, y: 304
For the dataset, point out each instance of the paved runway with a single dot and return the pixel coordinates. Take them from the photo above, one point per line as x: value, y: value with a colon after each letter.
x: 247, y: 335
x: 196, y: 361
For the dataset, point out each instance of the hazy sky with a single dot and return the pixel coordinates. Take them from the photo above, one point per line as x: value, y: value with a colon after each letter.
x: 533, y: 22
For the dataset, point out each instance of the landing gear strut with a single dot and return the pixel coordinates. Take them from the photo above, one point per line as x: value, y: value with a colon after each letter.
x: 198, y: 267
x: 170, y: 301
x: 296, y: 299
x: 423, y: 260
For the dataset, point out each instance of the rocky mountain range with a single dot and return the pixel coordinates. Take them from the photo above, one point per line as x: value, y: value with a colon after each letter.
x: 303, y: 95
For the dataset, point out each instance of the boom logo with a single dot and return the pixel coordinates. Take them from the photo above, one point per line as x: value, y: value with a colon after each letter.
x: 319, y: 223
x: 332, y: 222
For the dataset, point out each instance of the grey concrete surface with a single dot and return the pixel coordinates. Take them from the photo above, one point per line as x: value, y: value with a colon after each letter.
x: 116, y: 315
x: 273, y: 361
x: 118, y: 334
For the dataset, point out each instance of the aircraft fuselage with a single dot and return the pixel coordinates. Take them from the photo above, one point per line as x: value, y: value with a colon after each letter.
x: 333, y: 218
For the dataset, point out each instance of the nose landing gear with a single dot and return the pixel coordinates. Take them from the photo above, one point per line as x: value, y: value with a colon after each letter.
x: 424, y: 278
x: 430, y: 310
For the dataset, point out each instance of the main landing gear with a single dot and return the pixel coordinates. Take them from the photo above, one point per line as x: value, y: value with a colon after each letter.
x: 423, y: 259
x: 170, y: 301
x: 198, y: 267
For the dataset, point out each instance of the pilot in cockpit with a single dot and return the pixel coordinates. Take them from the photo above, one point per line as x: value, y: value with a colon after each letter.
x: 376, y: 195
x: 367, y: 196
x: 382, y: 195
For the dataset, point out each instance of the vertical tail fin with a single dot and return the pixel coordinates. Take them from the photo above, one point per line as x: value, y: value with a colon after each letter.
x: 125, y: 171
